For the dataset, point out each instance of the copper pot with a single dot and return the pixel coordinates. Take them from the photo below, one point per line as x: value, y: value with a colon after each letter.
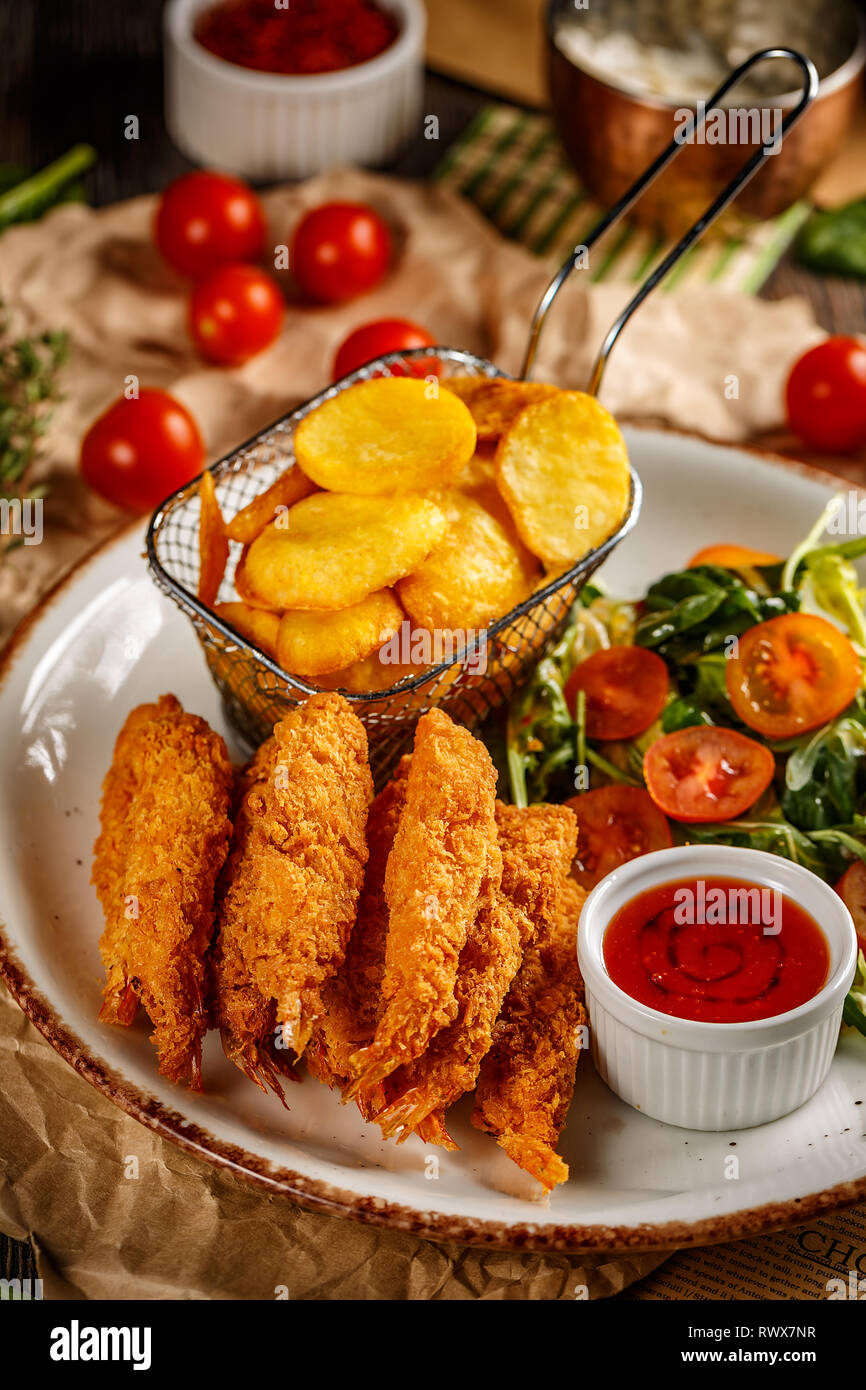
x: 611, y: 135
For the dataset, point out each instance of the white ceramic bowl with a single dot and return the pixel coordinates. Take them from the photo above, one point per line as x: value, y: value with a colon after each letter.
x: 714, y: 1076
x: 270, y: 126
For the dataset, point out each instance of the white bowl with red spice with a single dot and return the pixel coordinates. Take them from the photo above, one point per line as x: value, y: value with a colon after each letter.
x: 277, y: 124
x: 652, y: 941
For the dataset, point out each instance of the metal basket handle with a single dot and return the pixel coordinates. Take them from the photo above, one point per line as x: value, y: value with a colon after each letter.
x: 628, y: 199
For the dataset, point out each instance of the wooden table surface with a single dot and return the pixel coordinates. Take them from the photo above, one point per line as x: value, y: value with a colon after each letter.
x: 75, y: 71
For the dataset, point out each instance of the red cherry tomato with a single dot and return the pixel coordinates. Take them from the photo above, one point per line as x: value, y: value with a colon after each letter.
x: 826, y: 396
x: 141, y: 450
x: 626, y: 689
x: 615, y: 824
x: 852, y: 890
x: 235, y: 313
x: 791, y: 674
x: 732, y: 557
x: 340, y: 250
x: 706, y: 773
x: 207, y: 220
x: 385, y: 335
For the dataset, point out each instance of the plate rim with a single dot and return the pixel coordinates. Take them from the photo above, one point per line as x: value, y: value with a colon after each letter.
x: 318, y: 1195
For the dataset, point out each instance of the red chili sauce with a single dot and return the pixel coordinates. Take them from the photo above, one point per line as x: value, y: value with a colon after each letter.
x: 302, y: 37
x: 700, y: 949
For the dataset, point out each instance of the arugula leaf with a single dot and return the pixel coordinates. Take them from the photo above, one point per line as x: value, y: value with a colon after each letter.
x: 824, y: 854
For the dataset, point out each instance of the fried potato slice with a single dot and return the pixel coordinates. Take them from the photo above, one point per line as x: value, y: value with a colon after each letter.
x: 478, y: 573
x: 288, y: 489
x: 370, y: 674
x: 383, y: 436
x: 337, y: 549
x: 478, y: 476
x: 495, y: 402
x: 257, y: 625
x: 563, y: 469
x: 213, y: 546
x: 314, y: 644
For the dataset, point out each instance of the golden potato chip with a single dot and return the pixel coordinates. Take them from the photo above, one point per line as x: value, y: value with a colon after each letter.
x: 368, y: 675
x: 255, y: 624
x: 314, y: 644
x: 476, y: 574
x: 478, y: 475
x: 393, y: 434
x: 332, y: 550
x: 288, y: 489
x: 213, y: 547
x: 563, y: 469
x: 495, y: 402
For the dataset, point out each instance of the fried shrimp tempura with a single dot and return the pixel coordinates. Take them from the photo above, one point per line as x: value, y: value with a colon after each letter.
x: 353, y: 998
x: 537, y: 846
x: 293, y: 886
x: 527, y: 1078
x: 164, y: 837
x: 444, y: 851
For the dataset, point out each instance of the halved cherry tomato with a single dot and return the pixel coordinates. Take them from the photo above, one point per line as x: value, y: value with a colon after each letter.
x: 235, y: 313
x: 791, y: 674
x: 626, y: 689
x: 205, y: 220
x: 615, y: 824
x: 141, y: 450
x: 340, y: 250
x: 852, y: 890
x: 731, y: 557
x: 826, y: 395
x: 706, y: 773
x: 385, y: 335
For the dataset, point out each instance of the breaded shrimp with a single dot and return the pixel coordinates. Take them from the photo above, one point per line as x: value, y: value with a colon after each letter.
x: 444, y: 852
x: 247, y: 1022
x: 537, y: 846
x: 164, y: 838
x: 292, y: 892
x: 527, y: 1078
x: 353, y: 998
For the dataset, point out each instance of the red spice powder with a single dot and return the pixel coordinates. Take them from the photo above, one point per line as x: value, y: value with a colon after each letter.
x: 307, y: 37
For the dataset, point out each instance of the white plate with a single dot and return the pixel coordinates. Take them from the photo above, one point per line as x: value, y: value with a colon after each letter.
x: 105, y: 641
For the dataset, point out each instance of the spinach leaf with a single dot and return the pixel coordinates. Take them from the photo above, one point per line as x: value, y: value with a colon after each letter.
x: 834, y: 240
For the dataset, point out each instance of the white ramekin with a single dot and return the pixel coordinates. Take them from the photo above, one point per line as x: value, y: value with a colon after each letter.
x: 268, y: 126
x: 714, y: 1076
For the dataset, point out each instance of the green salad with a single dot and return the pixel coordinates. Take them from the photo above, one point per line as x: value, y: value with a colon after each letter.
x: 757, y: 736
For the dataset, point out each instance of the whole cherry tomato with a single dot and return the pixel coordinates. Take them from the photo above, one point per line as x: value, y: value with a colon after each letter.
x: 626, y: 689
x: 384, y: 335
x: 206, y: 220
x: 235, y: 313
x: 706, y: 773
x: 340, y: 250
x: 791, y: 674
x: 141, y: 450
x: 826, y: 396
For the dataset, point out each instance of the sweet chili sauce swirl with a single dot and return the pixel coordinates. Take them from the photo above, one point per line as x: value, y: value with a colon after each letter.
x: 667, y: 948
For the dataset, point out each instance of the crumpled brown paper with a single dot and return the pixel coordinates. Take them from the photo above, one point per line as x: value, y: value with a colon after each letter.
x: 181, y: 1228
x: 702, y: 359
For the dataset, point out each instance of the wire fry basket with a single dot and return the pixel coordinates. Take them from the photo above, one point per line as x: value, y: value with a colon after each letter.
x: 479, y: 677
